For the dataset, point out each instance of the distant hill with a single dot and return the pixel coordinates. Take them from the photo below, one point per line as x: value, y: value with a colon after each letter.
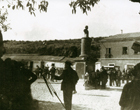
x: 68, y: 48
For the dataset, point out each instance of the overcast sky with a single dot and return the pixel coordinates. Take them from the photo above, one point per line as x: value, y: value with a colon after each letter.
x: 108, y: 17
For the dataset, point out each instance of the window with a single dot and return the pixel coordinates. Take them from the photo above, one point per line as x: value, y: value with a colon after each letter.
x: 130, y: 66
x: 111, y: 64
x: 108, y: 53
x: 125, y: 50
x: 108, y: 50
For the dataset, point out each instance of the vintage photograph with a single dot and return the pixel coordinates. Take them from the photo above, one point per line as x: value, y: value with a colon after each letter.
x: 69, y: 54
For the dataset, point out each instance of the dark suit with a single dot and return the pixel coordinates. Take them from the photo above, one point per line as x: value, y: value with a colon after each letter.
x: 130, y: 97
x: 104, y: 78
x: 70, y: 78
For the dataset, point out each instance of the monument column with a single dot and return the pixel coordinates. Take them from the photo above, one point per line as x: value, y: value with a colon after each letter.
x: 85, y: 43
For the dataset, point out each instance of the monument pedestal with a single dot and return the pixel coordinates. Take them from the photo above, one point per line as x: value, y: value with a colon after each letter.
x: 85, y: 46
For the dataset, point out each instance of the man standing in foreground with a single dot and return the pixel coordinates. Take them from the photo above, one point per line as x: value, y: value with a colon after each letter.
x: 70, y: 78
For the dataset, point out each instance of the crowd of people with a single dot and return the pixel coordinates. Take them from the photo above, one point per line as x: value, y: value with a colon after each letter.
x: 16, y: 79
x: 15, y: 82
x: 48, y: 72
x: 69, y: 79
x: 130, y: 97
x: 115, y: 76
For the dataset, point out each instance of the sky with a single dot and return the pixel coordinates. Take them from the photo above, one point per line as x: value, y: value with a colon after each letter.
x: 106, y: 18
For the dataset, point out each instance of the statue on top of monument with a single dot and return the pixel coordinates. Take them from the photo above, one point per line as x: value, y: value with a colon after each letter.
x: 86, y: 32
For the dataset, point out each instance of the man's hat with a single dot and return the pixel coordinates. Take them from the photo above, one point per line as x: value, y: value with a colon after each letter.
x: 53, y: 64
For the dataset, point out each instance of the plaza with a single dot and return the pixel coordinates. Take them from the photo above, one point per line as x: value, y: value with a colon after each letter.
x: 92, y: 99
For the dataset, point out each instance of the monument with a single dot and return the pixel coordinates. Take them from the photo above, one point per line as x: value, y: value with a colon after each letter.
x: 86, y: 32
x: 85, y: 43
x: 85, y: 52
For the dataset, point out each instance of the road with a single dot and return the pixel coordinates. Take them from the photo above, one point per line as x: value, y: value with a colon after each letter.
x: 92, y: 99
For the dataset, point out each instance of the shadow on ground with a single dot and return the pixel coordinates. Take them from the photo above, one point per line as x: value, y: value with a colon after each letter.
x: 114, y: 89
x: 47, y: 105
x: 95, y: 95
x: 107, y: 88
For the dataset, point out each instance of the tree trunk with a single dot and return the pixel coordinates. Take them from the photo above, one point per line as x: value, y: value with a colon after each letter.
x: 1, y: 45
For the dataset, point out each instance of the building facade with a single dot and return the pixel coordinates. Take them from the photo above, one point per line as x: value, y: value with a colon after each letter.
x: 117, y: 51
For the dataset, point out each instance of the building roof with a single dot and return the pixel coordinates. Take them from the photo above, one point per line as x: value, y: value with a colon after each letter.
x: 36, y: 57
x: 126, y: 35
x: 123, y: 37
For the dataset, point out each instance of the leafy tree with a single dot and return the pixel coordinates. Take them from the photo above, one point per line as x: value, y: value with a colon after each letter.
x: 84, y: 5
x: 73, y: 51
x: 41, y: 5
x: 135, y: 1
x: 16, y: 4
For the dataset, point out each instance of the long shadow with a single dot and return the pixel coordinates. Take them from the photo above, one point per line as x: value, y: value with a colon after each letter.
x: 94, y: 95
x: 113, y: 89
x: 50, y: 82
x: 47, y: 105
x: 106, y: 89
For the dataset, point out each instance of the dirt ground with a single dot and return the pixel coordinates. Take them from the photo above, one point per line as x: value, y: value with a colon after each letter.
x: 92, y: 99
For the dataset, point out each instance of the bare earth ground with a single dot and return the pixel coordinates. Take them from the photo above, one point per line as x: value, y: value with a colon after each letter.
x: 93, y: 99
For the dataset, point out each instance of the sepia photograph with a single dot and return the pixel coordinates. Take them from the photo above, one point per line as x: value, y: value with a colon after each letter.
x: 69, y: 54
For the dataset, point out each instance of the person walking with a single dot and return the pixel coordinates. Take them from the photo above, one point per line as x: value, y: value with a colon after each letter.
x: 70, y: 78
x: 118, y: 77
x: 114, y: 77
x: 127, y: 75
x: 38, y: 71
x: 104, y: 77
x: 111, y: 77
x: 46, y: 72
x: 52, y: 72
x: 123, y: 75
x: 130, y: 97
x: 97, y: 78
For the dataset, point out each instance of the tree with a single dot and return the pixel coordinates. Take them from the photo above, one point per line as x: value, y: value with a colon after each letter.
x: 16, y: 4
x: 33, y: 6
x: 41, y: 5
x: 84, y: 5
x: 135, y: 1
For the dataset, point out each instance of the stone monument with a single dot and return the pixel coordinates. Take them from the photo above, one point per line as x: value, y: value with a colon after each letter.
x: 85, y: 51
x: 86, y: 32
x: 85, y: 43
